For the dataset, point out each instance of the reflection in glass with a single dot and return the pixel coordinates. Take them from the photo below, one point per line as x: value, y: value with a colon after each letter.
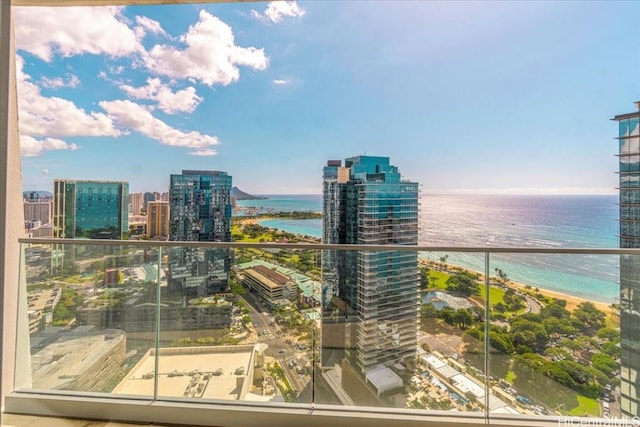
x: 104, y: 319
x: 91, y: 314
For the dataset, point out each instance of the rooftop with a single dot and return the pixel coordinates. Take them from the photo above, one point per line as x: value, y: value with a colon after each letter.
x: 192, y: 372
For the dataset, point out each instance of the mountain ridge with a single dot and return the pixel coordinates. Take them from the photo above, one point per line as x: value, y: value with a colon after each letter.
x: 238, y: 194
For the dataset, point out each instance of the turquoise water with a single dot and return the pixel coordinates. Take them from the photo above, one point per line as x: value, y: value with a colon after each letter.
x: 507, y: 221
x: 305, y: 227
x: 531, y: 221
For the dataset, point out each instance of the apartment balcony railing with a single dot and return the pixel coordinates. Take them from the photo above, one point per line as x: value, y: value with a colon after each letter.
x: 106, y: 332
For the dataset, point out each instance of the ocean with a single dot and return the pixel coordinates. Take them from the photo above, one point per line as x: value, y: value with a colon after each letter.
x: 567, y: 221
x: 281, y: 203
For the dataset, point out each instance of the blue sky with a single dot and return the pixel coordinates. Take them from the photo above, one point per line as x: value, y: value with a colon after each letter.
x: 497, y: 97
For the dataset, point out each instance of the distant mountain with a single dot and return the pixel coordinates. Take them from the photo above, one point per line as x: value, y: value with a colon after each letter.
x: 238, y: 194
x: 39, y: 194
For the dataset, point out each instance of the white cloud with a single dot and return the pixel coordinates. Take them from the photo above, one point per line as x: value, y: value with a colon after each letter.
x: 148, y: 25
x: 116, y: 69
x: 73, y: 31
x: 31, y: 147
x: 58, y: 82
x: 204, y: 152
x: 210, y: 56
x: 276, y: 10
x: 280, y: 82
x: 137, y: 117
x: 55, y: 117
x: 185, y: 100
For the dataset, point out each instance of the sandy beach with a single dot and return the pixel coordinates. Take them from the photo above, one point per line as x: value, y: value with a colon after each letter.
x: 572, y: 300
x: 246, y: 221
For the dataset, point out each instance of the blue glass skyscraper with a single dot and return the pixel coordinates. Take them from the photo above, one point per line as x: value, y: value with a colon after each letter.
x: 200, y: 211
x: 367, y: 202
x: 90, y: 209
x: 629, y: 175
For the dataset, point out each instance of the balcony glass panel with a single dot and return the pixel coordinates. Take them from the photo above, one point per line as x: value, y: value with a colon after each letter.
x: 91, y: 316
x: 414, y: 331
x: 557, y: 351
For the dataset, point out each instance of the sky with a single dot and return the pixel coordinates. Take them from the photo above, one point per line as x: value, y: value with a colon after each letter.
x: 464, y: 97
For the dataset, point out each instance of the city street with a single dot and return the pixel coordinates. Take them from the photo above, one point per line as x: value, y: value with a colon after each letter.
x: 285, y: 352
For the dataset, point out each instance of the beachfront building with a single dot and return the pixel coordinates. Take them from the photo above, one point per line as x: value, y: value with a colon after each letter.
x: 200, y: 211
x: 629, y: 175
x: 367, y: 202
x: 90, y: 209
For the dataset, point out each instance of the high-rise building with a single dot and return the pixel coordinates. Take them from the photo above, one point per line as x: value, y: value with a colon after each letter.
x: 200, y: 210
x: 629, y: 176
x: 367, y: 202
x: 146, y: 198
x: 36, y: 210
x: 135, y: 203
x: 158, y: 220
x: 334, y: 180
x: 90, y: 209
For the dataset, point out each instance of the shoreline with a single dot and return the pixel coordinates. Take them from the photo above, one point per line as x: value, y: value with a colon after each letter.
x: 572, y: 300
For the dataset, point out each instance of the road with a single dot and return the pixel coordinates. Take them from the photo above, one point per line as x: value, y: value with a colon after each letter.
x: 533, y: 305
x: 285, y: 352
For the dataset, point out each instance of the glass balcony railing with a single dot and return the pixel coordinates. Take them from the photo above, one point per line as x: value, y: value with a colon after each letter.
x: 467, y: 333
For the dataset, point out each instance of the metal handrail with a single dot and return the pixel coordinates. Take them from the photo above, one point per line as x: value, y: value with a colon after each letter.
x: 334, y: 247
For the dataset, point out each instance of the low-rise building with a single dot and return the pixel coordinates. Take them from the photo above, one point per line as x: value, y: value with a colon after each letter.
x: 208, y: 372
x: 269, y: 285
x: 81, y: 359
x: 40, y: 305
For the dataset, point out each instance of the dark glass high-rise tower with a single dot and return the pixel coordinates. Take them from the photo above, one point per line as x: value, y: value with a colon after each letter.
x: 371, y: 297
x: 629, y: 174
x: 200, y: 211
x: 90, y: 209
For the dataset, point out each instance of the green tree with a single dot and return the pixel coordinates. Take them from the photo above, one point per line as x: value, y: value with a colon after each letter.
x: 236, y: 288
x: 604, y: 364
x: 502, y: 276
x: 558, y: 326
x: 429, y: 311
x: 462, y: 284
x: 611, y: 349
x: 500, y: 307
x: 608, y: 334
x: 529, y: 334
x: 446, y: 314
x: 591, y: 318
x: 554, y: 310
x: 424, y: 277
x: 513, y: 301
x: 501, y: 342
x: 557, y: 353
x: 305, y: 261
x: 65, y: 310
x: 462, y: 318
